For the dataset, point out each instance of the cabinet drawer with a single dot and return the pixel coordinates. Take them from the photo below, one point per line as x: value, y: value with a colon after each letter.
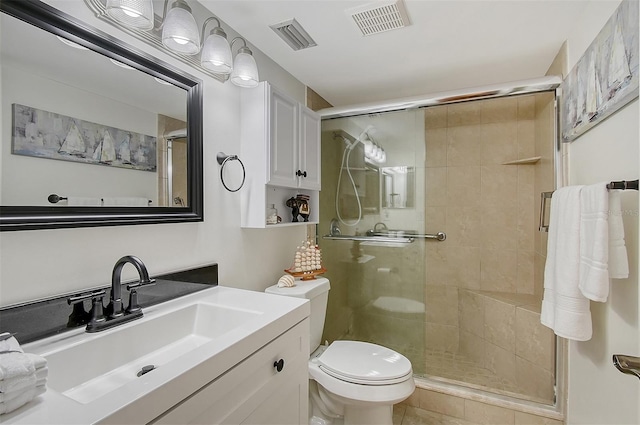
x: 253, y: 391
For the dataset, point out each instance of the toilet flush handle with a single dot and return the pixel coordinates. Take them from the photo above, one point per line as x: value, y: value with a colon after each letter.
x: 279, y: 365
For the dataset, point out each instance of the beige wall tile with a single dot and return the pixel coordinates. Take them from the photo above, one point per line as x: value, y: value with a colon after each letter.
x: 442, y: 304
x: 526, y: 139
x: 442, y: 338
x: 499, y: 142
x: 527, y: 225
x: 526, y: 272
x: 499, y: 110
x: 481, y: 413
x: 499, y: 227
x: 526, y: 107
x: 472, y: 347
x: 534, y: 381
x: 437, y: 264
x: 522, y: 418
x: 463, y: 186
x: 499, y: 323
x: 442, y: 403
x: 464, y: 229
x: 499, y: 185
x: 436, y: 186
x: 414, y: 398
x: 436, y: 147
x: 435, y: 219
x: 464, y: 270
x: 464, y: 114
x: 464, y: 145
x: 471, y: 312
x: 498, y: 270
x: 435, y: 117
x: 534, y: 342
x: 538, y: 275
x: 500, y: 361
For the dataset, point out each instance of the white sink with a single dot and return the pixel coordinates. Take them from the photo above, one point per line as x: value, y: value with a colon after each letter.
x: 106, y: 361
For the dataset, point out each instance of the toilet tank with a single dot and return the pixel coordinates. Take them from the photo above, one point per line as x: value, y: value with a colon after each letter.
x: 317, y: 292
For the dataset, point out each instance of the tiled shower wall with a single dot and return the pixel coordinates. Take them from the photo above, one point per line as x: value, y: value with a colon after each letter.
x: 483, y: 284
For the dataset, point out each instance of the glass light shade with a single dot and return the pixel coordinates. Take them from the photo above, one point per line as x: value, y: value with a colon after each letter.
x: 216, y: 54
x: 180, y: 31
x: 245, y: 70
x: 383, y: 157
x: 368, y: 148
x: 132, y: 13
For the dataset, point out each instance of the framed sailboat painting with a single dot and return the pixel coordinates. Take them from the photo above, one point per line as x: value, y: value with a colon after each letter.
x: 606, y: 77
x: 50, y: 135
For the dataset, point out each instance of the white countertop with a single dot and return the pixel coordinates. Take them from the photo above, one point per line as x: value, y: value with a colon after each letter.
x: 150, y: 395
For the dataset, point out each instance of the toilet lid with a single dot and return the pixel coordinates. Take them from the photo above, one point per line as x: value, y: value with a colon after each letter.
x: 364, y: 363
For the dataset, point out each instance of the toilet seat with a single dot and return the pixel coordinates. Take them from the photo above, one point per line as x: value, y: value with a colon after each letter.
x: 364, y: 363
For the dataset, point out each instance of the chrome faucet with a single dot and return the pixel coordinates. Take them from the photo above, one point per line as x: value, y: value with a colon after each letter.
x: 115, y: 300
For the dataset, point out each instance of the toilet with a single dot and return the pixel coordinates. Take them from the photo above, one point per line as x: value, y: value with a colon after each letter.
x: 350, y: 382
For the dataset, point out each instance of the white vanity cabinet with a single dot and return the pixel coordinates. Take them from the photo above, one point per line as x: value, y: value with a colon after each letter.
x: 280, y: 146
x: 254, y: 391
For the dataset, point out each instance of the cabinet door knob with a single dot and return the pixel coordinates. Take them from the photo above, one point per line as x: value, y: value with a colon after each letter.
x: 279, y: 365
x: 301, y: 173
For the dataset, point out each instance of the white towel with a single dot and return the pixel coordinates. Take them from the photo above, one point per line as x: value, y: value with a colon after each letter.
x: 564, y: 308
x: 618, y: 260
x: 26, y: 385
x: 594, y: 242
x: 83, y: 201
x: 14, y: 365
x: 125, y: 202
x: 22, y: 399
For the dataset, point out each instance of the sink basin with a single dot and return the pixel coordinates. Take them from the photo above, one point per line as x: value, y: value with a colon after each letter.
x: 106, y: 361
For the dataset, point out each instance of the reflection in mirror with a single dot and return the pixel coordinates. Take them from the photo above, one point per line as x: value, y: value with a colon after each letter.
x: 398, y: 187
x: 100, y: 120
x: 93, y: 121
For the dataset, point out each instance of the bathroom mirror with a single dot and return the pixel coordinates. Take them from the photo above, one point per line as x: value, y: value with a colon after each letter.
x: 92, y: 121
x: 398, y: 187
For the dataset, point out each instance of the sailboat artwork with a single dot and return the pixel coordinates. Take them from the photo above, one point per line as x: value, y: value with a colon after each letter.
x: 606, y: 77
x: 45, y: 134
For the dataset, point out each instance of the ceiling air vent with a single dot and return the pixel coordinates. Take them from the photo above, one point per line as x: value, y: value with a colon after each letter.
x: 293, y: 34
x: 374, y: 18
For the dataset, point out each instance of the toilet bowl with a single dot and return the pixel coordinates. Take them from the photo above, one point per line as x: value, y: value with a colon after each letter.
x: 351, y: 382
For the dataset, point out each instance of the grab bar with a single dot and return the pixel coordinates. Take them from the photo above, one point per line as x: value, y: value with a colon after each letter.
x: 627, y: 364
x: 440, y: 236
x: 368, y: 238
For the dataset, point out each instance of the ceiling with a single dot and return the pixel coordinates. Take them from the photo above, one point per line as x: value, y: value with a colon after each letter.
x: 448, y: 45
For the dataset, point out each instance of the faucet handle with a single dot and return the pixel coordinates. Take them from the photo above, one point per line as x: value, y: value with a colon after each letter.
x: 97, y: 314
x: 140, y: 284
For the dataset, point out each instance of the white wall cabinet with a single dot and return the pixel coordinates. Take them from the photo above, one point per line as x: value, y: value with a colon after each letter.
x: 254, y: 391
x: 280, y: 146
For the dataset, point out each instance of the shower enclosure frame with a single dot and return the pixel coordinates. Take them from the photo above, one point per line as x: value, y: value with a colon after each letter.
x: 523, y: 87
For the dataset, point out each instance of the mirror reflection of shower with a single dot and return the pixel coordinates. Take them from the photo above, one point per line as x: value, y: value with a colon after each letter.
x: 370, y: 155
x: 176, y: 184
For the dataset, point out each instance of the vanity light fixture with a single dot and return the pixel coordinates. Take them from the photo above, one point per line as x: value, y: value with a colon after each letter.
x: 120, y: 64
x: 180, y: 30
x: 132, y: 13
x: 245, y: 70
x: 71, y: 43
x: 216, y: 51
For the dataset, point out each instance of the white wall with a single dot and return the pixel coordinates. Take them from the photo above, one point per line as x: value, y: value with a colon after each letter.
x: 598, y: 393
x: 35, y: 264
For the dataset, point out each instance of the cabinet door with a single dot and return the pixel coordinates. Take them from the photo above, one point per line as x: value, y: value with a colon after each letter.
x: 310, y: 149
x: 254, y: 391
x: 283, y: 140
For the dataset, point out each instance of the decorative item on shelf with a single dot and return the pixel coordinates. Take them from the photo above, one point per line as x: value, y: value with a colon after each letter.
x: 307, y: 263
x: 272, y: 215
x: 299, y: 206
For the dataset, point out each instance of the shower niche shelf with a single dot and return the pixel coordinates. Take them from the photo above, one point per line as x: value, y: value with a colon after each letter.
x: 524, y: 161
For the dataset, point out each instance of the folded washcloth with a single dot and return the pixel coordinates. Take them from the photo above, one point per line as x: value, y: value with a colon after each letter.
x: 21, y: 399
x: 594, y: 242
x: 26, y: 385
x: 564, y: 308
x: 14, y: 365
x: 618, y: 260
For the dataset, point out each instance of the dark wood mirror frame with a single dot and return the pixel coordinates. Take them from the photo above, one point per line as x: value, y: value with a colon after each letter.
x: 56, y: 22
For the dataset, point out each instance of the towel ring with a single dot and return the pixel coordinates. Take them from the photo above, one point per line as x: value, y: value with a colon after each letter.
x: 222, y: 160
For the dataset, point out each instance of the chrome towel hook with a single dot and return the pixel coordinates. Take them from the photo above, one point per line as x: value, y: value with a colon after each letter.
x: 222, y: 160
